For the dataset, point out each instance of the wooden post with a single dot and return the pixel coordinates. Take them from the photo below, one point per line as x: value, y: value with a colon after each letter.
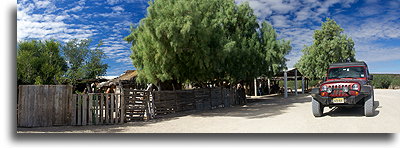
x: 96, y: 109
x: 90, y: 109
x: 269, y: 86
x: 112, y: 109
x: 101, y: 118
x: 79, y: 109
x: 295, y: 81
x: 116, y: 109
x: 107, y: 109
x: 84, y: 109
x: 285, y: 84
x: 302, y: 85
x: 122, y: 106
x: 20, y: 106
x: 255, y: 87
x: 73, y: 109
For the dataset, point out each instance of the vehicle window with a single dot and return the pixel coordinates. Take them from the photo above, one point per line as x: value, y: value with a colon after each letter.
x: 346, y: 72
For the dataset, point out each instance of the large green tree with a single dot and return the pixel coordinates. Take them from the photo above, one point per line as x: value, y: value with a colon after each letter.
x: 274, y: 50
x: 330, y: 45
x: 39, y: 62
x: 200, y: 41
x: 83, y: 62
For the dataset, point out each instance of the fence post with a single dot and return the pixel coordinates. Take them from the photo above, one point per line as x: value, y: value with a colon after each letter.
x: 73, y: 110
x: 122, y: 106
x: 90, y: 109
x: 101, y: 108
x: 107, y: 109
x: 112, y: 108
x: 79, y: 109
x: 96, y: 109
x: 84, y: 109
x: 116, y: 108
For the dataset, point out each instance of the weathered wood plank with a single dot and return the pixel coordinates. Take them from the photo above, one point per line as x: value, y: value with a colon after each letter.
x: 112, y: 108
x: 69, y: 105
x: 90, y: 109
x: 25, y: 106
x: 84, y: 109
x: 122, y: 107
x: 34, y: 106
x: 96, y: 107
x: 79, y: 102
x: 50, y: 103
x: 107, y: 108
x: 43, y: 104
x: 74, y: 109
x: 19, y: 106
x: 56, y: 110
x: 116, y: 109
x: 101, y: 108
x: 61, y: 105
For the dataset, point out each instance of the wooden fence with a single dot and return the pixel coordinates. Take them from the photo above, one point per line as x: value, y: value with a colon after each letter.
x: 49, y: 105
x: 167, y: 102
x: 44, y: 105
x: 97, y: 108
x: 54, y: 105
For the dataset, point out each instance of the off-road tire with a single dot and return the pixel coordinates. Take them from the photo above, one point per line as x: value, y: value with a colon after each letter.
x: 317, y: 108
x: 369, y: 106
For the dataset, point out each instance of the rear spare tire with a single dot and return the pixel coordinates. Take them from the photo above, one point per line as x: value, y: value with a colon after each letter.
x: 317, y: 108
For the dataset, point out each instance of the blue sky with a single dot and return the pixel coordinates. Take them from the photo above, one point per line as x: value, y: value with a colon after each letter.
x: 373, y: 25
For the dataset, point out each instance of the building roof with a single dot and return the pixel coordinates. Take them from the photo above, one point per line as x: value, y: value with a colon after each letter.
x: 290, y: 74
x: 348, y: 64
x: 128, y: 75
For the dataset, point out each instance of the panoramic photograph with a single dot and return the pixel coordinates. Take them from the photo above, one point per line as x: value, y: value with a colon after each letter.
x: 207, y: 66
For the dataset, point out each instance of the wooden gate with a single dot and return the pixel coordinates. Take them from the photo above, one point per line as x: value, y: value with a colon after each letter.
x: 97, y: 108
x: 138, y: 105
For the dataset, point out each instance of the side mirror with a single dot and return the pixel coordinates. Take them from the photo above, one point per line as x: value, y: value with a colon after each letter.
x: 371, y: 77
x: 324, y: 79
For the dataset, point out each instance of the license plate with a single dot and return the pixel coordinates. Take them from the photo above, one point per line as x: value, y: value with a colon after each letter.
x: 338, y: 100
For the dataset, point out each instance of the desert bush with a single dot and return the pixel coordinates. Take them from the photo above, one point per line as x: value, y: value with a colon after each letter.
x: 382, y: 81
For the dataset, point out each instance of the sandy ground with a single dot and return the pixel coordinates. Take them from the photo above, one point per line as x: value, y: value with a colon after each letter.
x: 262, y: 115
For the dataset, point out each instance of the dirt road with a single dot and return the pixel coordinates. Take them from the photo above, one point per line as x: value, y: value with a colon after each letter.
x: 264, y: 115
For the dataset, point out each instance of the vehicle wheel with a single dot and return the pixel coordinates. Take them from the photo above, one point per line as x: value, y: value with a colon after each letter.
x: 369, y: 106
x: 317, y: 108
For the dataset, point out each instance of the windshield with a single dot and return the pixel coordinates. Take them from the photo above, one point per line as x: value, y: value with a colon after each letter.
x: 346, y: 72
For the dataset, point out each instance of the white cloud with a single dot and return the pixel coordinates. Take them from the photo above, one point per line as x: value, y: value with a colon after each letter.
x: 280, y: 21
x: 384, y: 26
x: 46, y: 26
x: 117, y: 8
x: 42, y: 4
x: 371, y: 52
x: 75, y: 9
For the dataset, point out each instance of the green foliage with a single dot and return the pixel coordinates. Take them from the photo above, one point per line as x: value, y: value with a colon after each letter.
x: 274, y: 50
x: 39, y: 62
x: 396, y: 82
x: 83, y: 62
x: 330, y: 46
x: 386, y: 80
x: 314, y: 83
x: 203, y: 41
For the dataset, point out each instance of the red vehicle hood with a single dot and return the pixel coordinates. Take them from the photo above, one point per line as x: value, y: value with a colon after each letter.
x: 359, y: 81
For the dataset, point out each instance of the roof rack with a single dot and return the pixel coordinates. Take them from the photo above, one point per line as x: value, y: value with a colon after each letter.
x: 361, y: 63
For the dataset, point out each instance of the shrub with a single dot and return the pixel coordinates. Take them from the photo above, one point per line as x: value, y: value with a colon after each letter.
x: 382, y: 81
x: 396, y: 82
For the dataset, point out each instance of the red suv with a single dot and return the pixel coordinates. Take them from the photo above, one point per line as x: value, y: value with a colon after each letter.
x: 346, y: 84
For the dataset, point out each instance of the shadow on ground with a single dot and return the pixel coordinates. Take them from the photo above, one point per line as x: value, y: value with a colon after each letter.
x: 354, y: 112
x: 261, y: 107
